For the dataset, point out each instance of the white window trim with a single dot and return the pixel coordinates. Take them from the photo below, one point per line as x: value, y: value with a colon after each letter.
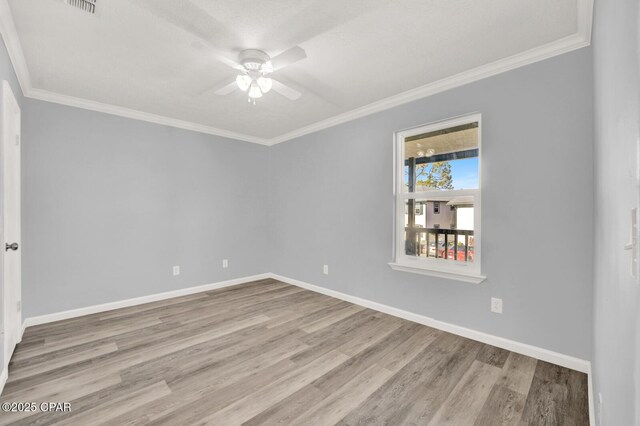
x: 467, y: 272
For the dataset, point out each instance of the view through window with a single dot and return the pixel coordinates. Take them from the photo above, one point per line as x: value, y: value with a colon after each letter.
x: 440, y: 191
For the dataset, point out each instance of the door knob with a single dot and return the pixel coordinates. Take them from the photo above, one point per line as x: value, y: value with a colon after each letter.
x: 13, y: 246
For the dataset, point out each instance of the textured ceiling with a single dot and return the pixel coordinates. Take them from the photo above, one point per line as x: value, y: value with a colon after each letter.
x: 161, y: 56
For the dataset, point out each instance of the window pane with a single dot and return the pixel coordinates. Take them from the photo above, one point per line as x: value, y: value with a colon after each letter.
x: 444, y: 159
x: 448, y: 234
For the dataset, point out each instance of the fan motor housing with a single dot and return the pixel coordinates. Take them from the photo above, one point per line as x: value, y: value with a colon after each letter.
x: 253, y: 59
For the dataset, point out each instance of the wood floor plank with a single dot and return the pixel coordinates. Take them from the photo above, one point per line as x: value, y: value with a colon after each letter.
x: 327, y: 320
x: 345, y: 398
x: 125, y: 359
x: 195, y: 404
x: 245, y: 304
x: 42, y: 365
x: 118, y: 406
x: 143, y: 310
x: 402, y: 354
x: 168, y: 331
x: 441, y: 381
x: 556, y: 395
x: 269, y: 353
x: 544, y: 403
x: 91, y: 400
x: 188, y: 302
x: 237, y: 367
x: 258, y: 401
x: 17, y: 361
x: 286, y: 410
x: 60, y: 390
x: 302, y: 310
x: 351, y: 335
x: 247, y: 287
x: 397, y: 349
x: 192, y: 404
x: 503, y: 408
x: 493, y: 356
x: 69, y: 326
x: 96, y: 333
x: 465, y: 402
x: 417, y: 390
x: 518, y: 372
x: 392, y: 401
x: 223, y: 350
x: 397, y: 346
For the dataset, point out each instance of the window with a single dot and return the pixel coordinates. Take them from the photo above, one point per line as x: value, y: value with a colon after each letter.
x: 438, y: 199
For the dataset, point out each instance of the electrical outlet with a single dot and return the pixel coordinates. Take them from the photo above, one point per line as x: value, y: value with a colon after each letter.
x: 325, y: 270
x: 225, y: 263
x: 176, y: 270
x: 19, y: 306
x: 496, y: 305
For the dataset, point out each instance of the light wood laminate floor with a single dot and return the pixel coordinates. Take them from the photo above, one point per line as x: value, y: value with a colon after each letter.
x: 270, y: 353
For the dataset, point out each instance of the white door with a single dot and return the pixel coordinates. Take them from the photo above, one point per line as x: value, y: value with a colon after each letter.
x: 11, y: 242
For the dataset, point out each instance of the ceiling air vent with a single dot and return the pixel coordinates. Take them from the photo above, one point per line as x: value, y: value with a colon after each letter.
x: 86, y: 5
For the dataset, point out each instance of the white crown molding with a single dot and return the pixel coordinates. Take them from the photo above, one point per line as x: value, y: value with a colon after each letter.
x: 580, y: 39
x: 16, y: 55
x: 45, y: 95
x: 14, y: 48
x: 547, y: 51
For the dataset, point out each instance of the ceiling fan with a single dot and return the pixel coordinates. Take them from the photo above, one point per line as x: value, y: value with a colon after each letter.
x: 255, y: 69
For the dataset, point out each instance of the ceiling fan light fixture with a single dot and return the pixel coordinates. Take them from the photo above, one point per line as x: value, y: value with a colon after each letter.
x: 265, y: 84
x: 267, y: 68
x: 243, y: 81
x: 254, y: 69
x: 254, y: 91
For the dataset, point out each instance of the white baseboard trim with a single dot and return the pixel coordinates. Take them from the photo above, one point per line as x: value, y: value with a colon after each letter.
x: 501, y: 342
x: 567, y: 361
x: 3, y: 378
x: 563, y: 360
x: 58, y: 316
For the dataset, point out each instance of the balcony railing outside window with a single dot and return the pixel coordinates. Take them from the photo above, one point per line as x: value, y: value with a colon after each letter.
x: 440, y: 243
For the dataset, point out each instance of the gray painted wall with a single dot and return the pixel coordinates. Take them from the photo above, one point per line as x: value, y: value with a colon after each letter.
x: 332, y: 203
x: 616, y: 353
x: 7, y: 73
x: 111, y: 204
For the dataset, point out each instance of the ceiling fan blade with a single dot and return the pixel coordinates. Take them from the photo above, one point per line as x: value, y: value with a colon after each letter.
x: 288, y: 57
x: 196, y: 21
x: 319, y: 17
x: 209, y: 51
x: 231, y: 63
x: 285, y: 91
x: 225, y: 90
x: 192, y: 19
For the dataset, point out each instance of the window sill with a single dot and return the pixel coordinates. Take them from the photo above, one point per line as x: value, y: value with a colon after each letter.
x: 468, y: 278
